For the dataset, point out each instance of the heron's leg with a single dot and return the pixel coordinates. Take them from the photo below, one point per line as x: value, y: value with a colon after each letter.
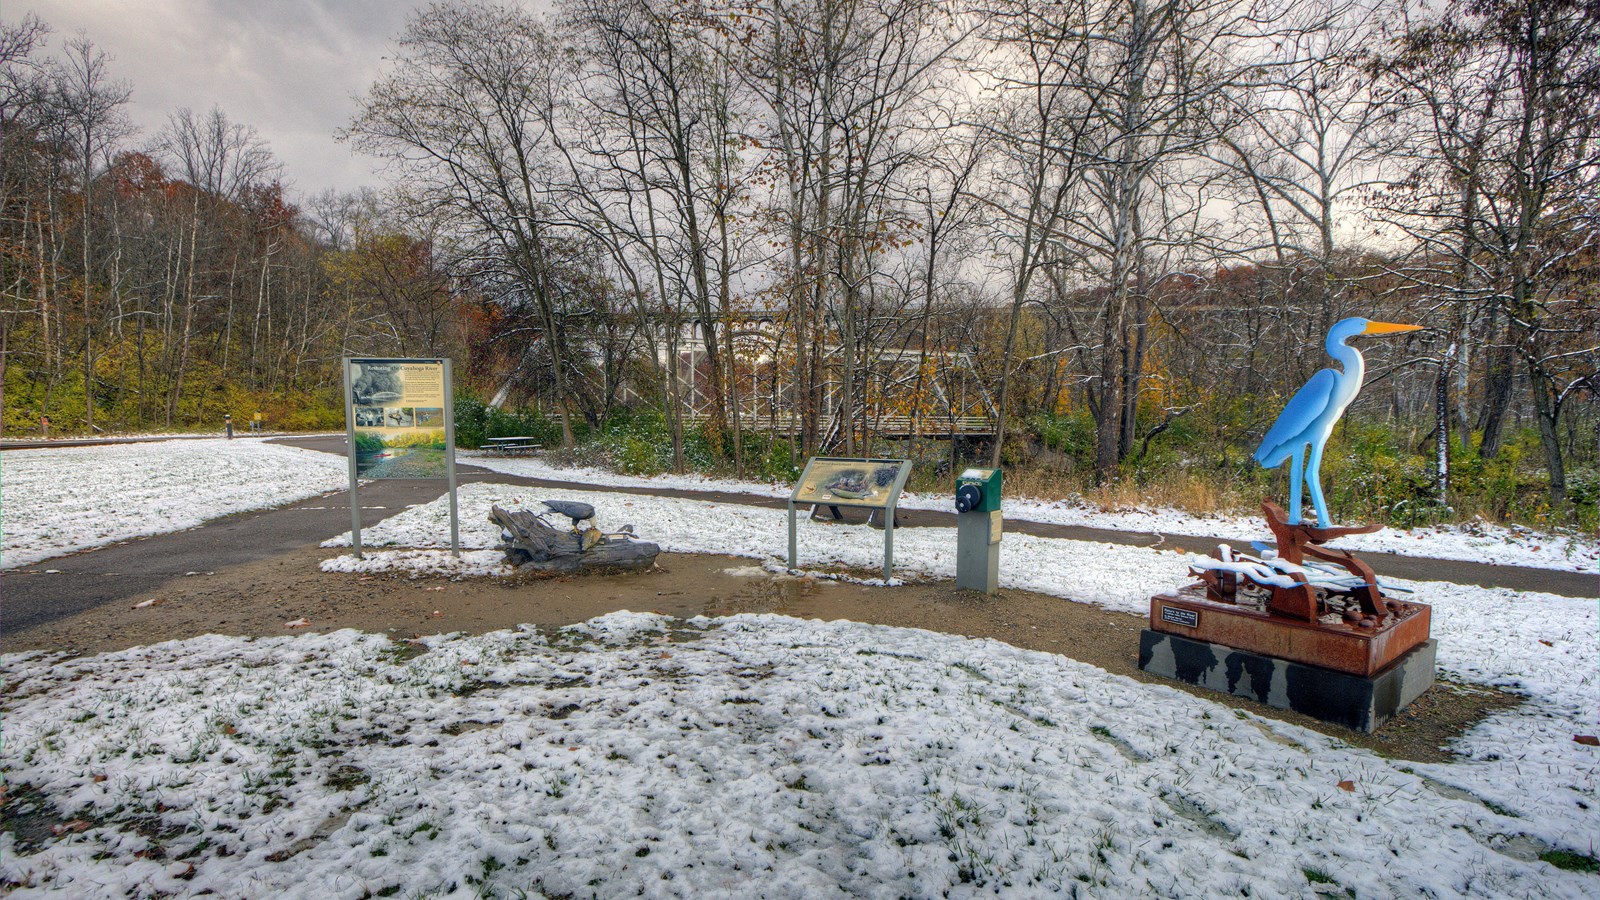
x: 1295, y: 467
x: 1314, y: 473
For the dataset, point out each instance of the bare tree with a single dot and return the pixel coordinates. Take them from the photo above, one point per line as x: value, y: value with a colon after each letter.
x: 1310, y: 137
x: 1500, y: 202
x: 88, y: 108
x: 467, y: 113
x: 1139, y: 89
x: 215, y: 154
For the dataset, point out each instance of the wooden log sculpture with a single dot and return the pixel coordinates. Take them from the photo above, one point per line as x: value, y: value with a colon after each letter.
x: 528, y: 540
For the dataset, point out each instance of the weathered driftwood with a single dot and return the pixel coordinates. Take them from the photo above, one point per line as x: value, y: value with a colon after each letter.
x: 530, y: 541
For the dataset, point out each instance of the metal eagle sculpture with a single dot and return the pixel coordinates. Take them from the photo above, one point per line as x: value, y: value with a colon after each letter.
x: 1308, y: 420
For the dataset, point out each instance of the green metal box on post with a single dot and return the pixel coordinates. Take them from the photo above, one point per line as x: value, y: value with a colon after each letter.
x: 978, y: 529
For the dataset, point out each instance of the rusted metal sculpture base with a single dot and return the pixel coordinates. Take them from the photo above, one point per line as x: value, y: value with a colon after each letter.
x: 1334, y: 644
x: 1276, y: 607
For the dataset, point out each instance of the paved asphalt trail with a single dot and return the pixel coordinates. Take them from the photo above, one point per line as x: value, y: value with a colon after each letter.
x: 88, y: 579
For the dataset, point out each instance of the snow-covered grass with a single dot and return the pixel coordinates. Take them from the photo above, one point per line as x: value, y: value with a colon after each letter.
x: 421, y: 562
x: 1537, y: 644
x: 61, y: 500
x: 1122, y: 577
x: 1478, y: 542
x: 1481, y: 542
x: 754, y: 755
x: 533, y: 467
x: 762, y: 755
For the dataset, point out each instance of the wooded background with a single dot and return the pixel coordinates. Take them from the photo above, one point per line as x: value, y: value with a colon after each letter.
x: 1121, y: 228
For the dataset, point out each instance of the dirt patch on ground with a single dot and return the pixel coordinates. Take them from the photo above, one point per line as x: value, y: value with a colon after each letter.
x: 259, y: 598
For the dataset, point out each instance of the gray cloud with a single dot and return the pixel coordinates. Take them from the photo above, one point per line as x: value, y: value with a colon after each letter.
x: 291, y: 68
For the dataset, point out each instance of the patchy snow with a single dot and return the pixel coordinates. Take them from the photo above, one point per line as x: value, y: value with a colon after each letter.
x: 1480, y: 542
x: 1534, y: 642
x: 419, y: 563
x: 1537, y: 644
x: 635, y: 755
x: 61, y: 500
x: 533, y: 467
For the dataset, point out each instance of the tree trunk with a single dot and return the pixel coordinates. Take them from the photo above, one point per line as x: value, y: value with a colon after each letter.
x: 1441, y: 424
x: 1548, y: 410
x: 1497, y: 387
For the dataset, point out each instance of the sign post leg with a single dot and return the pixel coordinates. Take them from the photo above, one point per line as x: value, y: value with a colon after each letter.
x: 888, y: 545
x: 455, y: 528
x: 792, y: 554
x: 450, y: 457
x: 350, y: 442
x: 355, y: 518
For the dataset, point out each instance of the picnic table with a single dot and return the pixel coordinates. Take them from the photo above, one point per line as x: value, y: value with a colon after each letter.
x: 509, y: 445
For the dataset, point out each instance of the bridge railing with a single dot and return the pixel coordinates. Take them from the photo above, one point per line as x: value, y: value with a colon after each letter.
x: 884, y: 426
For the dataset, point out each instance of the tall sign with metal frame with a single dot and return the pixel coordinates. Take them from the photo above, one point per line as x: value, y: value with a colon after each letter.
x: 865, y: 483
x: 400, y: 423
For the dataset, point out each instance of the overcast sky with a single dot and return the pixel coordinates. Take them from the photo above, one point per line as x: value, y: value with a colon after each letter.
x: 290, y: 68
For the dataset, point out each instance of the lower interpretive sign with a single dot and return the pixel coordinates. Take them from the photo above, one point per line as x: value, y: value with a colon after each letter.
x: 840, y: 481
x: 848, y: 482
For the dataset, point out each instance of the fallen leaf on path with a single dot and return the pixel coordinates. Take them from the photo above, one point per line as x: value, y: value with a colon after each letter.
x: 1588, y: 740
x: 1347, y: 785
x: 1546, y: 643
x: 437, y: 614
x: 298, y: 623
x: 153, y: 601
x: 75, y: 825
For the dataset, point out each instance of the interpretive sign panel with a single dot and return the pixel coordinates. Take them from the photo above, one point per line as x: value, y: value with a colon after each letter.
x: 851, y: 482
x: 398, y: 409
x: 400, y: 423
x: 838, y: 481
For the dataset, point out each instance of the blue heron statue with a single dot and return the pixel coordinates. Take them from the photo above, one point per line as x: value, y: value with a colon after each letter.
x: 1309, y: 418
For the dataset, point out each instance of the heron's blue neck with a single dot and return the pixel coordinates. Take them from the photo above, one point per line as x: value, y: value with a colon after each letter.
x: 1355, y: 370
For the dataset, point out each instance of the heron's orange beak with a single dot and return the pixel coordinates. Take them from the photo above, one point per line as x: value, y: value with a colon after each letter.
x: 1388, y: 328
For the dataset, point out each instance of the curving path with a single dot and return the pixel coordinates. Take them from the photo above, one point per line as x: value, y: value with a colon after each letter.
x: 57, y: 588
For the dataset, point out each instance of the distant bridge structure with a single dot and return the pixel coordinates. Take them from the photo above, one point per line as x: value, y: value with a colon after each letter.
x: 902, y: 394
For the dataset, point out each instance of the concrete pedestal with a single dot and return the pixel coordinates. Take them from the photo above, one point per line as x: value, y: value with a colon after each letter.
x: 978, y: 551
x: 1353, y: 701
